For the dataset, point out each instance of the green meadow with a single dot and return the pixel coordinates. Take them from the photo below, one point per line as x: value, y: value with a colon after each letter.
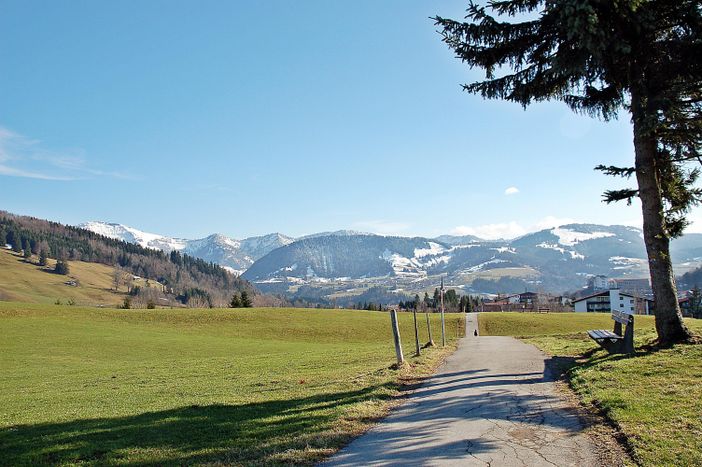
x: 653, y: 397
x: 245, y: 387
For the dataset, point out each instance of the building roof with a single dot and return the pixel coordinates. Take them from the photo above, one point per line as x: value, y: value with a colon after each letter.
x: 606, y: 292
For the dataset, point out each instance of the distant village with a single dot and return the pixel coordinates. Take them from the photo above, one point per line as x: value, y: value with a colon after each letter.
x: 601, y: 295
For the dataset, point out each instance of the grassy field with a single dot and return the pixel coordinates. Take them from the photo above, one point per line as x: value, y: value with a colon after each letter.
x: 24, y: 281
x: 254, y: 387
x: 654, y: 397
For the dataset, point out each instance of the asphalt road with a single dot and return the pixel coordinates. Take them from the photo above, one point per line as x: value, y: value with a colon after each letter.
x: 491, y: 403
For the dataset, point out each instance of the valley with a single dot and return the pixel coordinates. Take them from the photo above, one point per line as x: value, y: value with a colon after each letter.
x: 345, y: 267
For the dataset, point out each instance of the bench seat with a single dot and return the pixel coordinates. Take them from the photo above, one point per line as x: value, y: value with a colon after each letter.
x: 604, y: 334
x: 617, y: 341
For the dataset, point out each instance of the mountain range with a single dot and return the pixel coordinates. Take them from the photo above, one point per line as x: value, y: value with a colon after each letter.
x: 340, y: 266
x: 234, y: 255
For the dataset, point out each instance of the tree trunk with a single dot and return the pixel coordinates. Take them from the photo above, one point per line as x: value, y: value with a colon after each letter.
x: 669, y: 322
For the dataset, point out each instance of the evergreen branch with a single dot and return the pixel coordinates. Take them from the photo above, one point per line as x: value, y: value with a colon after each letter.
x: 612, y: 196
x: 614, y: 171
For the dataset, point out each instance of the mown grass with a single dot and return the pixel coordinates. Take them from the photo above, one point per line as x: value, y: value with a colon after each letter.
x: 252, y: 387
x: 653, y: 397
x: 24, y: 281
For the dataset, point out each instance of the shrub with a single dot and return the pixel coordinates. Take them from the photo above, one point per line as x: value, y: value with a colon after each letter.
x: 61, y: 267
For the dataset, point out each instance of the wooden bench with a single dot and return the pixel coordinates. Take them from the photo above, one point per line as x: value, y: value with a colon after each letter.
x: 616, y: 342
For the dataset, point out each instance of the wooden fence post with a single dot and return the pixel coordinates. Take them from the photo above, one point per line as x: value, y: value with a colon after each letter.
x: 443, y: 324
x: 431, y: 340
x: 416, y: 332
x: 396, y: 337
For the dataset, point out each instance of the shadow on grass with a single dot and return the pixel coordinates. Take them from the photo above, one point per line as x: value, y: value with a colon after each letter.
x: 295, y: 431
x: 247, y: 433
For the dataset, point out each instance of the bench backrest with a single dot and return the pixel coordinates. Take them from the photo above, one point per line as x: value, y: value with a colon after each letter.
x: 620, y: 317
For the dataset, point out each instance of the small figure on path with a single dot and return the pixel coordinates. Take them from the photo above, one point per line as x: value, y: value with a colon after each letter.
x: 475, y: 333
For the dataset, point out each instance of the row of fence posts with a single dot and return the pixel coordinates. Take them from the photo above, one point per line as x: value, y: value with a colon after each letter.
x: 396, y: 334
x: 396, y: 330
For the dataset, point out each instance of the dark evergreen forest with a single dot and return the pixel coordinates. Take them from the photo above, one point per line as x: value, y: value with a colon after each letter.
x: 191, y: 280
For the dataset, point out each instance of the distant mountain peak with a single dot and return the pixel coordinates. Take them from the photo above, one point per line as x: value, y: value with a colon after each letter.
x: 338, y: 233
x: 132, y: 235
x: 345, y: 261
x: 235, y: 255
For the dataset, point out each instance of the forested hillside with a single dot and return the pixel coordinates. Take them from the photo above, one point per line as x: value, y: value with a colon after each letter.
x: 192, y: 281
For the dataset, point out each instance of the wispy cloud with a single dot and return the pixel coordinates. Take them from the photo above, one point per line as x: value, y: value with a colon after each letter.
x: 13, y: 172
x: 382, y: 227
x: 492, y: 231
x: 513, y: 190
x: 24, y: 157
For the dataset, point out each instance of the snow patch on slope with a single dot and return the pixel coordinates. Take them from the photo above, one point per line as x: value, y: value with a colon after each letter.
x: 622, y: 262
x: 553, y: 246
x: 479, y: 267
x: 434, y: 249
x: 505, y: 249
x: 568, y: 237
x: 132, y: 235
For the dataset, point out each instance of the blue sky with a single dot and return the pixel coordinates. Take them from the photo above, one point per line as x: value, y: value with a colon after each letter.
x: 244, y: 118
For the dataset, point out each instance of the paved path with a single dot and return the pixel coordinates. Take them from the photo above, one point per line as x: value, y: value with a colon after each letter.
x: 489, y: 404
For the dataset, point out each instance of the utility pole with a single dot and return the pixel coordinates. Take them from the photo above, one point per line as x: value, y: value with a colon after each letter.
x: 443, y: 324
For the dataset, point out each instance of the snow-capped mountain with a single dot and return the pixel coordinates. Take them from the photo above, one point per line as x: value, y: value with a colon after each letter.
x: 347, y: 263
x: 132, y: 235
x: 235, y: 255
x: 350, y: 256
x: 556, y: 259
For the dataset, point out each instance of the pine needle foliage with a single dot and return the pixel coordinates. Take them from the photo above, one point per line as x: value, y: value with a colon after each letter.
x: 603, y: 58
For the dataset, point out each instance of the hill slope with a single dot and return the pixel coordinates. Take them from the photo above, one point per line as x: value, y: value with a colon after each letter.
x: 23, y: 281
x: 555, y: 260
x: 333, y: 266
x: 191, y: 280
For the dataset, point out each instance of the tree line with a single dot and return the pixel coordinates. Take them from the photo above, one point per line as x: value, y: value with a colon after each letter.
x: 192, y: 281
x: 453, y: 302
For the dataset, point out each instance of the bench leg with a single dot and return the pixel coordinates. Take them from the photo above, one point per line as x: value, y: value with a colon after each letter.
x: 628, y: 341
x: 618, y: 328
x: 615, y: 347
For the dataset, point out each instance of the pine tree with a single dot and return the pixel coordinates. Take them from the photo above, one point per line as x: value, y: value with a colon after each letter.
x: 62, y: 267
x: 235, y: 302
x: 599, y: 57
x: 11, y: 238
x: 26, y: 249
x: 42, y: 257
x: 245, y: 300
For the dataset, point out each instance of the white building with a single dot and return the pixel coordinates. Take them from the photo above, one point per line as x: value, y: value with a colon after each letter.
x: 601, y: 283
x: 608, y: 300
